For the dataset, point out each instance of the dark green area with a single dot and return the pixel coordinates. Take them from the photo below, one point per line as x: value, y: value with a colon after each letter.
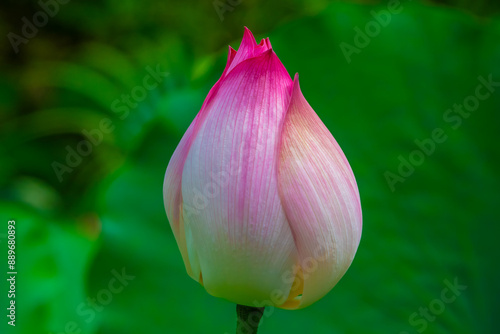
x: 105, y: 218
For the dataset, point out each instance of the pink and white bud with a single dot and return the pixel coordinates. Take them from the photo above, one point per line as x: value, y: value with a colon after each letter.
x: 261, y: 199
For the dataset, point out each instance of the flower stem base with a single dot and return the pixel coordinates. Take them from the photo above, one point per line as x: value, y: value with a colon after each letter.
x: 248, y: 319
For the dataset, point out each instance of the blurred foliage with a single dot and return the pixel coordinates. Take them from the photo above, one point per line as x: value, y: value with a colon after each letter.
x: 107, y: 215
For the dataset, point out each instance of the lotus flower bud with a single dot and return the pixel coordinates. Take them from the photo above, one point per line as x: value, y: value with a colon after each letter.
x: 261, y: 199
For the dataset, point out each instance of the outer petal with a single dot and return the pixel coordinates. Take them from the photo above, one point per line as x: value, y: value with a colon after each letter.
x: 321, y: 201
x: 211, y: 94
x: 172, y: 194
x: 232, y: 208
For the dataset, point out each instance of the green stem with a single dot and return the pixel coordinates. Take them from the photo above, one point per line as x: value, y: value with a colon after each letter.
x: 248, y: 319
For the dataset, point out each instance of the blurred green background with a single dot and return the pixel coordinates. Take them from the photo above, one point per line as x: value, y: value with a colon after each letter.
x: 102, y: 217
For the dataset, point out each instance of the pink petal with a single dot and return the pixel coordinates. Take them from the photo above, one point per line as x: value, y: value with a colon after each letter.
x: 172, y: 183
x: 321, y: 201
x: 211, y: 94
x: 249, y: 48
x: 229, y: 185
x: 172, y: 194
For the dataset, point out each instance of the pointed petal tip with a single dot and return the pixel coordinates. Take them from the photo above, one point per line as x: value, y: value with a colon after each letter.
x: 247, y: 32
x: 265, y: 43
x: 268, y: 42
x: 296, y: 85
x: 248, y: 38
x: 295, y: 90
x: 230, y: 56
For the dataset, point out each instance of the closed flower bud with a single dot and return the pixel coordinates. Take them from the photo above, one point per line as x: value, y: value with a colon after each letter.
x: 261, y: 199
